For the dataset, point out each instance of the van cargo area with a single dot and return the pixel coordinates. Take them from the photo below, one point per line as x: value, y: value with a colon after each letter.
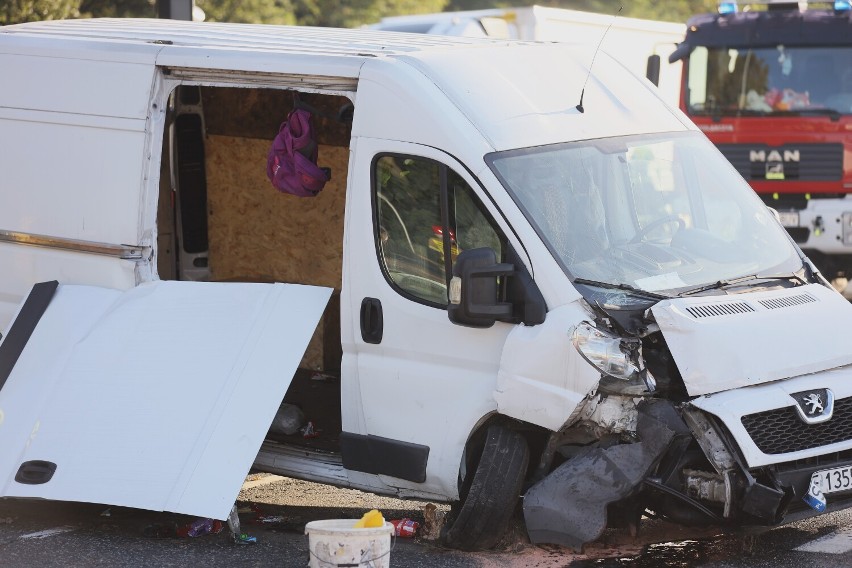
x: 221, y: 220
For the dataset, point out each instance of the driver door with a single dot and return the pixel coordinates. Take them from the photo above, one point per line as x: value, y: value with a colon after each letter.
x: 423, y: 382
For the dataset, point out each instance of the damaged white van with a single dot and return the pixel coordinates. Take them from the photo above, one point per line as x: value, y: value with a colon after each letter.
x: 510, y: 287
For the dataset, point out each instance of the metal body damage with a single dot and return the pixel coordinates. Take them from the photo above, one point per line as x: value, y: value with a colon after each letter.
x: 755, y: 456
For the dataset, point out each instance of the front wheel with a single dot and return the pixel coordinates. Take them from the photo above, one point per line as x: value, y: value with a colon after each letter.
x: 482, y: 515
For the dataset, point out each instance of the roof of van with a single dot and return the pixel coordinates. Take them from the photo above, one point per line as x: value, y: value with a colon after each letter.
x: 531, y: 88
x: 359, y: 43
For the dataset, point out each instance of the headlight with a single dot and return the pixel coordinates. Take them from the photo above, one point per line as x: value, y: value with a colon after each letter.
x: 617, y: 358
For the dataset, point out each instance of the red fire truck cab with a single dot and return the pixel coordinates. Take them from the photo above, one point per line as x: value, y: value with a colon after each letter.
x: 771, y: 85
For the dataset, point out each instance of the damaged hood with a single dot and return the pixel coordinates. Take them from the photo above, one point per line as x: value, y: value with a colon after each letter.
x: 726, y: 342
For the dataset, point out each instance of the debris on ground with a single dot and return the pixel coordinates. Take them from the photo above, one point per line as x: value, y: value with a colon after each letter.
x: 310, y: 431
x: 260, y: 517
x: 405, y: 528
x: 200, y: 527
x: 322, y: 377
x: 6, y: 520
x: 234, y: 526
x: 270, y: 519
x: 433, y: 522
x: 288, y: 420
x: 245, y: 539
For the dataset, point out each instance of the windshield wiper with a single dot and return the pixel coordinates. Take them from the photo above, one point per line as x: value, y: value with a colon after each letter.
x: 833, y: 114
x: 722, y: 284
x: 625, y: 287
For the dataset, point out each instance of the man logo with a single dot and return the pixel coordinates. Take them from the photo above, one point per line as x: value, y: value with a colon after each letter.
x: 814, y: 406
x: 774, y: 156
x: 774, y: 161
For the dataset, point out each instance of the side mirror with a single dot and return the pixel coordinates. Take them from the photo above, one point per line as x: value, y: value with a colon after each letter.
x: 652, y: 71
x: 474, y: 290
x: 475, y: 293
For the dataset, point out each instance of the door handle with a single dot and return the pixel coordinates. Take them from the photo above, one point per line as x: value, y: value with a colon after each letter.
x: 35, y: 472
x: 372, y: 323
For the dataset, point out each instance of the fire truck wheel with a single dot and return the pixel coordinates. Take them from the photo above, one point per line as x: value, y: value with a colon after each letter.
x: 480, y: 518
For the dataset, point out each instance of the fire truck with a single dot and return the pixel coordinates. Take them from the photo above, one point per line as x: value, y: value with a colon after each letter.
x: 771, y: 85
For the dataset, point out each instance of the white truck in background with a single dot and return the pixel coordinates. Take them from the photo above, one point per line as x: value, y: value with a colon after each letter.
x: 630, y: 40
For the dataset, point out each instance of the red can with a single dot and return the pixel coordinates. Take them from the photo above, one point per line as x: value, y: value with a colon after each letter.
x: 405, y: 528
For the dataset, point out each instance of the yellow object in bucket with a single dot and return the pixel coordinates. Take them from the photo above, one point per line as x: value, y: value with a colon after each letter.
x: 370, y: 520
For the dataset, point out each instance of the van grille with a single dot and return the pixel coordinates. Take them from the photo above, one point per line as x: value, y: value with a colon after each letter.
x: 711, y: 310
x: 787, y: 301
x: 781, y: 431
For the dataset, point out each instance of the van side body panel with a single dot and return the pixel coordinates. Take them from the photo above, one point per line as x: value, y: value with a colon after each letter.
x: 73, y: 128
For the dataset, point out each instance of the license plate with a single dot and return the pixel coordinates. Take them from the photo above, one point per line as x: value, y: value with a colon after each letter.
x: 834, y: 480
x: 789, y: 218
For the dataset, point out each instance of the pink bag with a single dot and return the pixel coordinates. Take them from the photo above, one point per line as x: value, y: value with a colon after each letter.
x: 292, y: 162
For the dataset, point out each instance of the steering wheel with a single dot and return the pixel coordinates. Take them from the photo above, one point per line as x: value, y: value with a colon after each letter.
x: 655, y: 224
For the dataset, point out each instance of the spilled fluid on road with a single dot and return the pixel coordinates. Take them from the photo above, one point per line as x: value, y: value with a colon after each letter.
x: 682, y: 554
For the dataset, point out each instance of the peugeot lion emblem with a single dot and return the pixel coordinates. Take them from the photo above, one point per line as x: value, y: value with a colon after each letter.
x: 814, y: 406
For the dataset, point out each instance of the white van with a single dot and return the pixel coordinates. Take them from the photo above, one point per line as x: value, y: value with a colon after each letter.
x: 512, y: 285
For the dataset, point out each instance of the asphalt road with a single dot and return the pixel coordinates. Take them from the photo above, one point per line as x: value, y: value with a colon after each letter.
x: 275, y: 510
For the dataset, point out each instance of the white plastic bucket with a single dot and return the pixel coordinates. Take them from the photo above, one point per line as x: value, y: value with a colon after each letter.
x: 337, y: 543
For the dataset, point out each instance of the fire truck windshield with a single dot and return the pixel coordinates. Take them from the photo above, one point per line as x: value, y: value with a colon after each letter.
x: 730, y: 81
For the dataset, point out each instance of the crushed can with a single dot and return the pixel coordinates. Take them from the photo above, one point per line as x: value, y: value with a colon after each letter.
x: 405, y: 528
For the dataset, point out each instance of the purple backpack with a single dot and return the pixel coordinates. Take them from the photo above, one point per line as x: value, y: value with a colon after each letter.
x: 292, y: 162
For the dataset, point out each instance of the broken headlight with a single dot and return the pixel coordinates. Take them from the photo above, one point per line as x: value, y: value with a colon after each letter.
x: 618, y: 359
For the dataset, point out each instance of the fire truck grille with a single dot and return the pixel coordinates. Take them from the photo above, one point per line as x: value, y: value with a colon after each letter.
x: 805, y: 162
x: 781, y: 431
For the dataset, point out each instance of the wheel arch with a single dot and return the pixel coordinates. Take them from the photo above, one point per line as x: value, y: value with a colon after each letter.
x: 536, y: 437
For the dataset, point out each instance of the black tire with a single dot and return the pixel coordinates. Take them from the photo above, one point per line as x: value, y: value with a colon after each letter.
x: 481, y: 517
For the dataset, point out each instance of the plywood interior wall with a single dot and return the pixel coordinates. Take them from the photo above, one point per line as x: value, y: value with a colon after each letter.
x: 260, y: 235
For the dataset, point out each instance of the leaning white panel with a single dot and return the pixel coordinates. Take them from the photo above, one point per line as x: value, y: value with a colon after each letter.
x: 156, y: 398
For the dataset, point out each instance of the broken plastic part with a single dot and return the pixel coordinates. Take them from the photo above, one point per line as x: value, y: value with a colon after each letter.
x: 569, y: 506
x: 234, y: 522
x: 640, y: 384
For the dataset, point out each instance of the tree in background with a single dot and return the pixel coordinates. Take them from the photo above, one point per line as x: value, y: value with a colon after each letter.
x: 280, y: 12
x: 118, y: 8
x: 15, y: 11
x: 354, y: 13
x: 332, y: 13
x: 667, y: 10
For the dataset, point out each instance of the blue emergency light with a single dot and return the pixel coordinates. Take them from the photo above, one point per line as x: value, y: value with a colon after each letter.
x: 731, y: 7
x: 842, y: 5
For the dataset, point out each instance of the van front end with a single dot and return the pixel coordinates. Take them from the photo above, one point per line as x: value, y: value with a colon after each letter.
x: 642, y: 443
x: 707, y: 402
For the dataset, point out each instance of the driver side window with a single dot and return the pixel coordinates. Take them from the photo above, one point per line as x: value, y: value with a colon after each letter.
x: 410, y: 227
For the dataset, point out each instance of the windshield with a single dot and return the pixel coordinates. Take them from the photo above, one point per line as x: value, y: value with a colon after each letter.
x: 655, y: 212
x: 769, y: 80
